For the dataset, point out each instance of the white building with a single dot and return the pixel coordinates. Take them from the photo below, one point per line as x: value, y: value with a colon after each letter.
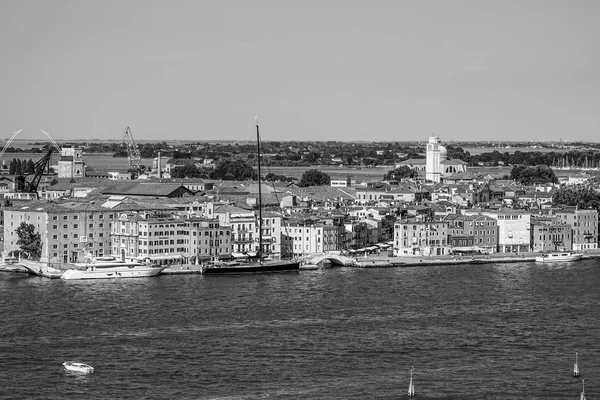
x: 437, y: 164
x: 513, y: 230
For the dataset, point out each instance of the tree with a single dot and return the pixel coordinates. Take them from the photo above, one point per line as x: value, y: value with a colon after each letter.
x: 237, y: 170
x: 532, y: 175
x: 582, y: 197
x: 400, y: 173
x: 188, y: 171
x: 30, y: 241
x: 314, y: 177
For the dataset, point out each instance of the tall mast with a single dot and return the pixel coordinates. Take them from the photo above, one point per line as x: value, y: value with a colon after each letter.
x: 259, y: 254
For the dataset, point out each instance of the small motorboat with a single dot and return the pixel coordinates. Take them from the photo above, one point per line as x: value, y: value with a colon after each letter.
x: 576, y: 373
x: 411, y: 386
x: 78, y: 367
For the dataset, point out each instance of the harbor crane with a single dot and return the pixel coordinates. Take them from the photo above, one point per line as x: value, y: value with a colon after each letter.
x: 56, y: 146
x: 25, y: 185
x: 14, y: 135
x: 133, y: 154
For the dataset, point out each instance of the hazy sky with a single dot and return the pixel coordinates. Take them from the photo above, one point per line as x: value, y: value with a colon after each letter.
x: 312, y: 70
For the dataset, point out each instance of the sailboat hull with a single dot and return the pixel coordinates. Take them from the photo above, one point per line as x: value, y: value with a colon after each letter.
x: 274, y: 266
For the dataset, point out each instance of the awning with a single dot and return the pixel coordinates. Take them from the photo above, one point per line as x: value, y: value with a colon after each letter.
x: 468, y: 248
x: 159, y: 258
x: 239, y: 255
x: 382, y: 245
x: 251, y: 253
x: 391, y: 242
x: 373, y: 248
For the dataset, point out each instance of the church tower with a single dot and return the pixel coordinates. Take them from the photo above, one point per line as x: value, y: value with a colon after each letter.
x: 70, y: 164
x: 436, y: 156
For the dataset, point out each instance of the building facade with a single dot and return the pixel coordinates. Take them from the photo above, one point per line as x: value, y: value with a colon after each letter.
x: 69, y: 231
x: 551, y: 234
x: 418, y: 238
x: 585, y: 227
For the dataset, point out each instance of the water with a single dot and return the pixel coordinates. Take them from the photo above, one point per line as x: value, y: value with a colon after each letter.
x: 497, y: 331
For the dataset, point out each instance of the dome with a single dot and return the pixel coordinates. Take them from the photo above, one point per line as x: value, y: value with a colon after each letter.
x: 443, y: 153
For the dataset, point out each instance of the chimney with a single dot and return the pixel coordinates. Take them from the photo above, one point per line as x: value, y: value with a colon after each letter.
x: 159, y: 167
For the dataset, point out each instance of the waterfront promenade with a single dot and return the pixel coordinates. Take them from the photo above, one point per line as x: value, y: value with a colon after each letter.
x: 370, y: 261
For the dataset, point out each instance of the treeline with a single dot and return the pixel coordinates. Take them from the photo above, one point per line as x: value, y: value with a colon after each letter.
x: 21, y: 167
x: 573, y: 158
x: 584, y: 197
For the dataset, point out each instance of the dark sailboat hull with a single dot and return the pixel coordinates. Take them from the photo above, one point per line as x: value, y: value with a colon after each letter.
x: 274, y: 266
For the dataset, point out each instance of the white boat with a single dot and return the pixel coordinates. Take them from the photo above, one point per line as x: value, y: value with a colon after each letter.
x: 582, y: 397
x: 411, y: 386
x: 558, y: 257
x: 110, y: 267
x: 78, y: 367
x: 576, y: 373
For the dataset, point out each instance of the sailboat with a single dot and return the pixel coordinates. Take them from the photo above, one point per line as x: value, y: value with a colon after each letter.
x: 411, y: 386
x: 582, y: 397
x: 576, y: 373
x: 260, y: 265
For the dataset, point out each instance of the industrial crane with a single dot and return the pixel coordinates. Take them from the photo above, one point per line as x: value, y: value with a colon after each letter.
x: 133, y: 154
x: 56, y: 146
x: 24, y: 185
x: 9, y: 142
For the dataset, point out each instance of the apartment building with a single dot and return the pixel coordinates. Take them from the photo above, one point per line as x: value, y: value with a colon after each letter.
x: 551, y: 234
x: 162, y: 237
x: 478, y: 231
x: 243, y: 224
x: 69, y: 230
x: 584, y: 224
x: 513, y: 229
x: 307, y: 238
x: 420, y: 238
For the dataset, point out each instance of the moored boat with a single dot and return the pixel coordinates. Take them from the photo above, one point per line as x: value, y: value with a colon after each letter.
x: 110, y: 268
x: 78, y: 367
x: 266, y: 266
x: 558, y: 257
x: 260, y: 264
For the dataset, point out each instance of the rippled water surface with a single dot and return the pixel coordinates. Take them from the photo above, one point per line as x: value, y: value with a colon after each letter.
x: 498, y: 331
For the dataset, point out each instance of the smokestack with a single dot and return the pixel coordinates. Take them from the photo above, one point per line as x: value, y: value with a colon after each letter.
x: 159, y: 167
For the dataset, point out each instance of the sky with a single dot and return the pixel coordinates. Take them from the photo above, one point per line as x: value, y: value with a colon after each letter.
x: 346, y: 70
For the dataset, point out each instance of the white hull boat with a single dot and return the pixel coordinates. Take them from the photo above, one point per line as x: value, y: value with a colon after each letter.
x: 411, y: 386
x: 113, y: 269
x: 558, y: 257
x: 78, y: 367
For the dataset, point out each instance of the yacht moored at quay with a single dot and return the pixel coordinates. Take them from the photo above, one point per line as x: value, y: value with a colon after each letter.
x: 111, y: 267
x: 558, y: 257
